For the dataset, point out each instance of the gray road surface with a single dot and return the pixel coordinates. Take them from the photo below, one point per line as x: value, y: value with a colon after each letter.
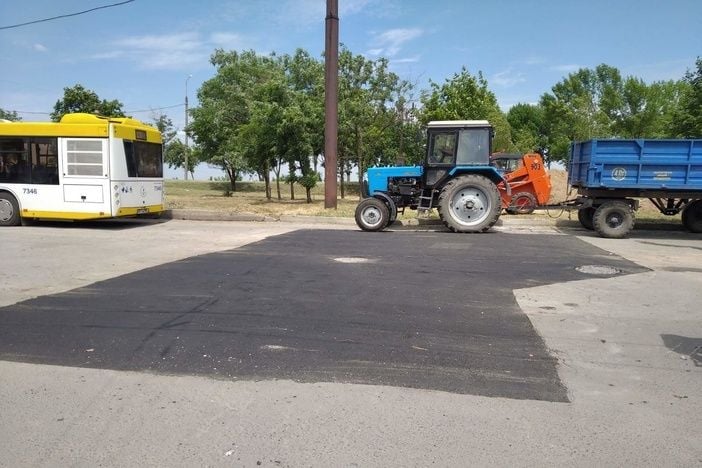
x: 626, y: 348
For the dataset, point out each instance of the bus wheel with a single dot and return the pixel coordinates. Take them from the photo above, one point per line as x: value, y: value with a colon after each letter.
x: 9, y: 210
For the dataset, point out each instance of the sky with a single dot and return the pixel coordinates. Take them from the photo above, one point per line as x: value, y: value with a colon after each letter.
x: 148, y: 53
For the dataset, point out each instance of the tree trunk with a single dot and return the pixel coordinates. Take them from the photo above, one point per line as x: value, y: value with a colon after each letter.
x: 291, y: 172
x: 267, y: 180
x: 309, y: 194
x: 341, y: 179
x: 231, y: 173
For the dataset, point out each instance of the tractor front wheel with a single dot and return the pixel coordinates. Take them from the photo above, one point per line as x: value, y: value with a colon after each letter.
x: 372, y: 214
x: 470, y: 203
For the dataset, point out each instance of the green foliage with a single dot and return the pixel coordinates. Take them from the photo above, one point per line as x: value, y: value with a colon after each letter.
x: 688, y: 116
x: 600, y: 104
x: 79, y: 99
x: 372, y: 113
x: 9, y: 115
x: 528, y: 129
x: 467, y: 97
x: 173, y: 149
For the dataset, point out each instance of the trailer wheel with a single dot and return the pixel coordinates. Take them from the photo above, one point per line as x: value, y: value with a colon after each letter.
x: 470, y: 203
x: 585, y: 217
x: 522, y: 203
x: 9, y: 210
x: 613, y: 219
x: 692, y: 216
x: 372, y: 214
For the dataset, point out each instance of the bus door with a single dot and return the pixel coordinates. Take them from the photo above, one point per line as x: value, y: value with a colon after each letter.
x: 85, y: 171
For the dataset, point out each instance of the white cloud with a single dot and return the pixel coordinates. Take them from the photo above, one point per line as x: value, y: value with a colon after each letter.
x: 390, y: 42
x: 508, y: 78
x: 568, y: 68
x: 413, y: 59
x: 177, y: 51
x: 40, y: 48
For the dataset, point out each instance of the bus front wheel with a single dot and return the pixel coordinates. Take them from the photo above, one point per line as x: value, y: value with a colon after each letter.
x: 9, y: 210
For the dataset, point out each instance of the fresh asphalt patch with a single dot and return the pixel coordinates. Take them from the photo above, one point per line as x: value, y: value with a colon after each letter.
x: 428, y: 310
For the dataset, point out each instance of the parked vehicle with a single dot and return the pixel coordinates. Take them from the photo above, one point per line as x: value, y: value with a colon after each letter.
x: 610, y: 175
x: 83, y: 167
x: 456, y: 178
x: 527, y: 178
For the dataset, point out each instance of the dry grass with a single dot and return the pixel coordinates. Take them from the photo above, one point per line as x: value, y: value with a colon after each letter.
x: 250, y: 198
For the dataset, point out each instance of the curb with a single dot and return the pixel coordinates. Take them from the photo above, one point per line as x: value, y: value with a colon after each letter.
x: 413, y: 223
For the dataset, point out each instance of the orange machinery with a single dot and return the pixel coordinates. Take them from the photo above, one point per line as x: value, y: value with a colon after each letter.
x: 528, y: 180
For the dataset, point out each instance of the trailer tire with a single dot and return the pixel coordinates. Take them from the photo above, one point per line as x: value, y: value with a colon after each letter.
x: 372, y: 214
x: 522, y: 203
x: 613, y: 219
x: 692, y: 216
x: 469, y: 203
x: 585, y: 217
x: 9, y: 210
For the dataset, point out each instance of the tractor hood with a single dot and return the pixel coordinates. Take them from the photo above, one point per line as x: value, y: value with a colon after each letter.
x: 378, y: 176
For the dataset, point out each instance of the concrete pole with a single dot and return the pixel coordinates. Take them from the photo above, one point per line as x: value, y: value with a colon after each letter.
x: 331, y: 103
x: 186, y: 126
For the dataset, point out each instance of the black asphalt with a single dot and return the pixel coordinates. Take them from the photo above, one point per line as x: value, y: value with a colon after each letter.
x: 429, y: 310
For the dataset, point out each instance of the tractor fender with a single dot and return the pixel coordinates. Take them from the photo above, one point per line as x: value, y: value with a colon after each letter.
x: 391, y: 204
x: 485, y: 171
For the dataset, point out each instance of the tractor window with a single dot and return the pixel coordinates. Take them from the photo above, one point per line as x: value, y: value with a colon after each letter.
x: 474, y: 146
x: 442, y: 148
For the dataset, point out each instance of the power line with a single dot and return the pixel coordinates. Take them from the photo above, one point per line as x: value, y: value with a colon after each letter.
x: 125, y: 112
x: 153, y: 109
x: 65, y: 16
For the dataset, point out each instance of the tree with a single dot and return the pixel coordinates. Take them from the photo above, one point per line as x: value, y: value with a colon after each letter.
x: 368, y: 93
x: 79, y: 99
x: 466, y: 97
x: 582, y: 106
x: 647, y: 111
x: 688, y: 118
x: 528, y: 129
x: 225, y: 108
x: 9, y: 115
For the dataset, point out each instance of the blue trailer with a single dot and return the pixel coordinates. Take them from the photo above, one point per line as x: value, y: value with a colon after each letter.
x: 610, y: 175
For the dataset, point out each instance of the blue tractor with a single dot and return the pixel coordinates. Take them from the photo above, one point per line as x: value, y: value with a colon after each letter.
x: 456, y: 178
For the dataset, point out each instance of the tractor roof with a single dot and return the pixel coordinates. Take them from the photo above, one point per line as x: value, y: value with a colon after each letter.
x: 458, y: 123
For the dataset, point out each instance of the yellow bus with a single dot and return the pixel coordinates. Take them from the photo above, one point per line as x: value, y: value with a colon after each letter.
x: 83, y: 167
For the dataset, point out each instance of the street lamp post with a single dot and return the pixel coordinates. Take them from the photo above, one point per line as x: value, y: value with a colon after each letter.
x: 186, y: 126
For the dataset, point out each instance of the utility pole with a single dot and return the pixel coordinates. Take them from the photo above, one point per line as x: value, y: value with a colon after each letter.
x: 187, y: 150
x: 331, y: 101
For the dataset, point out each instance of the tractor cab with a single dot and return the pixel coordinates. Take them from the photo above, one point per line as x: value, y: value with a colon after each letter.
x: 455, y: 143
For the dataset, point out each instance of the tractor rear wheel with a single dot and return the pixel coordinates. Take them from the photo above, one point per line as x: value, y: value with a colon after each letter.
x: 9, y: 210
x: 372, y: 214
x: 613, y: 219
x: 692, y: 216
x: 585, y: 217
x: 470, y: 203
x: 522, y: 203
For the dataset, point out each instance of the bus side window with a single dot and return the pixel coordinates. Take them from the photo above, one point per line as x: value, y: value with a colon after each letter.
x: 45, y: 161
x: 13, y: 152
